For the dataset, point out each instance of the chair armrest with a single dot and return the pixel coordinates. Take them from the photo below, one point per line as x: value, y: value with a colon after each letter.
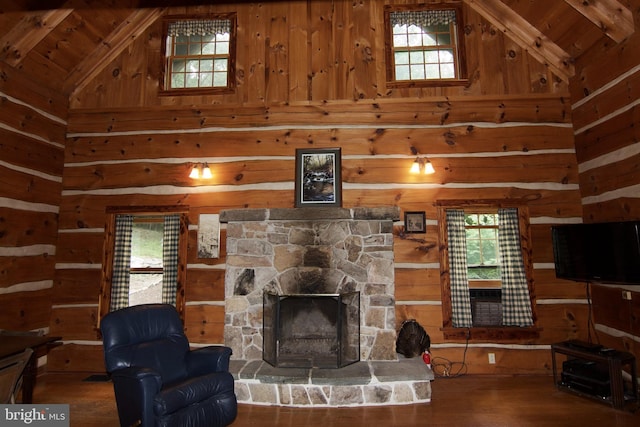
x: 146, y: 376
x: 135, y: 388
x: 208, y: 359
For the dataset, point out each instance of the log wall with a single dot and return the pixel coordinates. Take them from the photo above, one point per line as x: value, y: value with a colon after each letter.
x: 311, y: 75
x: 606, y: 120
x: 32, y: 138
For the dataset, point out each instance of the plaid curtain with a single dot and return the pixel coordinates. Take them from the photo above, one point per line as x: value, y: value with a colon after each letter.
x: 460, y: 301
x: 121, y: 263
x: 200, y: 27
x: 516, y: 305
x: 423, y: 18
x: 170, y: 245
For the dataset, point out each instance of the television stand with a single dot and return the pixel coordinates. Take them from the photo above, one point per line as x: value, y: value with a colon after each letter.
x: 596, y: 372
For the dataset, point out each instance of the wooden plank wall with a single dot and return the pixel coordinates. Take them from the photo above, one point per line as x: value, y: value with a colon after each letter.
x: 606, y: 117
x: 311, y: 75
x: 32, y: 137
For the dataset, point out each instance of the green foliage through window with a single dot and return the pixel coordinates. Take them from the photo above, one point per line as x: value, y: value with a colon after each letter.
x: 483, y: 257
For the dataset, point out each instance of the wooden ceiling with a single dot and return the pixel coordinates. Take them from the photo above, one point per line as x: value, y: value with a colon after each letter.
x: 65, y: 44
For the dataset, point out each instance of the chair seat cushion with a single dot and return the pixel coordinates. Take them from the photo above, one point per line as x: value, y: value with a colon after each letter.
x: 174, y: 397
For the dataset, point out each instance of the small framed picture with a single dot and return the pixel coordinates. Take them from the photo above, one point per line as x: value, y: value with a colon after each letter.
x: 209, y: 236
x: 415, y: 222
x: 318, y: 177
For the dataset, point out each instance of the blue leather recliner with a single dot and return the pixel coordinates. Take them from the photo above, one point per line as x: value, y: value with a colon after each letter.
x: 157, y: 379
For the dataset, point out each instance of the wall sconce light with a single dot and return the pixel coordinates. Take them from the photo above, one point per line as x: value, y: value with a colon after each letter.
x: 201, y: 172
x: 422, y: 164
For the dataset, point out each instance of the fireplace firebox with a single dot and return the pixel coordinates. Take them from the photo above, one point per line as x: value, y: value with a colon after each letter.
x: 311, y: 330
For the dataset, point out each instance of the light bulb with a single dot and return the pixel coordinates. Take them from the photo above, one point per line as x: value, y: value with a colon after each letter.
x: 195, y: 173
x: 415, y: 167
x: 428, y: 168
x: 206, y: 172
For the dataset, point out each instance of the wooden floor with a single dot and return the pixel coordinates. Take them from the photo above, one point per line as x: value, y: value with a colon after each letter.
x: 465, y: 401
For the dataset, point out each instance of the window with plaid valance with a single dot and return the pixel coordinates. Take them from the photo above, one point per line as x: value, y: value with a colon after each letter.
x: 199, y: 54
x: 424, y: 45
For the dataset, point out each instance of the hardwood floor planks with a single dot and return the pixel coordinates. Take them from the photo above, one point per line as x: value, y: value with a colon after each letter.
x: 473, y: 400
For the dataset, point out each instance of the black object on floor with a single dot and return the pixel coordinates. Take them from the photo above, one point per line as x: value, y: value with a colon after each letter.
x: 97, y: 378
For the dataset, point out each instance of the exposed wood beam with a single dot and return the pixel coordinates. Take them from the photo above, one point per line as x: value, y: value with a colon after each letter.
x: 114, y: 44
x: 26, y: 34
x: 615, y: 20
x: 526, y: 36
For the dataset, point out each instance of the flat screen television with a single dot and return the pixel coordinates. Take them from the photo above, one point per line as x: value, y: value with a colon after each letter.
x: 603, y: 252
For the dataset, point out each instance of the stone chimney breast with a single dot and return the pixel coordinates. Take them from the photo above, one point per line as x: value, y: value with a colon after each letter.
x: 308, y: 251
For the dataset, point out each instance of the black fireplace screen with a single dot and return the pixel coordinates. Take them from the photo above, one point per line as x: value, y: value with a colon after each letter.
x: 311, y: 331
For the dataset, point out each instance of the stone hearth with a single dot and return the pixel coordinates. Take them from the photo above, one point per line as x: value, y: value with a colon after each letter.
x: 310, y: 251
x: 401, y: 382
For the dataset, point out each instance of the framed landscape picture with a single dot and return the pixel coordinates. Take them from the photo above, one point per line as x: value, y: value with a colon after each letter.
x: 318, y: 177
x: 415, y: 222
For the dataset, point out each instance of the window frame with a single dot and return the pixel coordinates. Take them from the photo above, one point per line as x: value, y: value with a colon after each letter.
x: 108, y: 249
x: 166, y: 90
x: 460, y: 57
x: 485, y: 332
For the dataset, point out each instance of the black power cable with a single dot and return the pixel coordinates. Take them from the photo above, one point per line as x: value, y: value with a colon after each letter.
x: 590, y: 325
x: 445, y: 368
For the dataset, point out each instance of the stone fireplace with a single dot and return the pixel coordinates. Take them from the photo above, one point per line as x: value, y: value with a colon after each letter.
x: 310, y: 251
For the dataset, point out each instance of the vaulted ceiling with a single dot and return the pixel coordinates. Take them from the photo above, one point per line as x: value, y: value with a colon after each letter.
x: 65, y: 44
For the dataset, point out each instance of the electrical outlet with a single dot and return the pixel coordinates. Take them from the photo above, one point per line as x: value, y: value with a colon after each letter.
x: 492, y: 358
x: 626, y: 295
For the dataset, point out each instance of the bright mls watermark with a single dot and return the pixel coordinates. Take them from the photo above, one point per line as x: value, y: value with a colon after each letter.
x: 34, y: 415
